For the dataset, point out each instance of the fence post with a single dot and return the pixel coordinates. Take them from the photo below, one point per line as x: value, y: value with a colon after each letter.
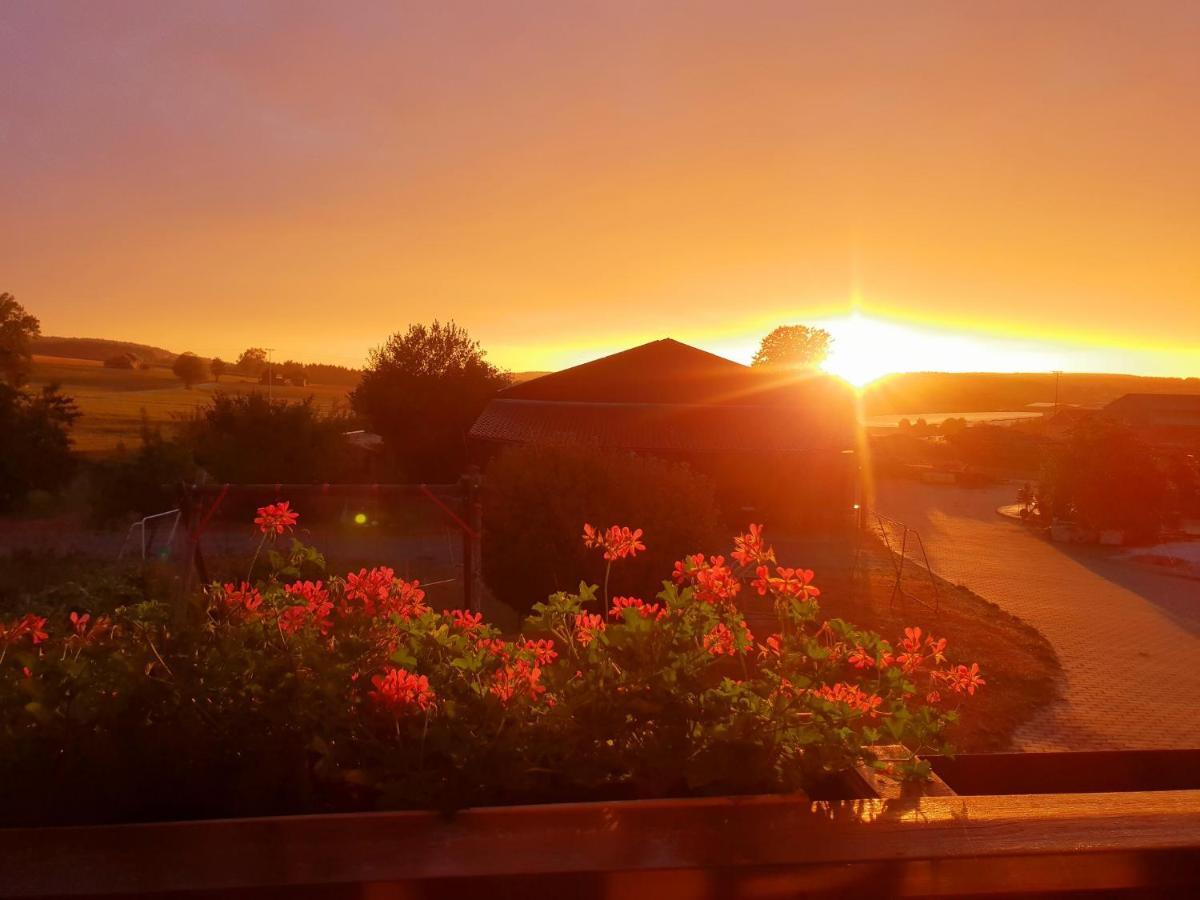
x: 472, y: 543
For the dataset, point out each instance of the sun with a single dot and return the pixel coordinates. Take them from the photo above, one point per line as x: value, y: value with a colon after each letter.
x: 864, y: 349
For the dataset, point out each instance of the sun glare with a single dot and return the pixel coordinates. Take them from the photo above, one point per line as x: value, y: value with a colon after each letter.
x: 865, y: 349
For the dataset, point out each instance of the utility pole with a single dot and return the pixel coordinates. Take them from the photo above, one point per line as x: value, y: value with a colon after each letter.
x: 270, y: 374
x: 1057, y: 376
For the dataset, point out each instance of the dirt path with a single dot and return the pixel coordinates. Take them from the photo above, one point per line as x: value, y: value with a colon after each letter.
x: 1128, y: 639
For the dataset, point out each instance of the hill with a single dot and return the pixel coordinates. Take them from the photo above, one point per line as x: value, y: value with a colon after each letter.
x: 927, y: 392
x: 100, y: 349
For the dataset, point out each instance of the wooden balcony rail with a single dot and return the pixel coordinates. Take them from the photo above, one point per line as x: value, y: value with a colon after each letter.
x: 758, y: 847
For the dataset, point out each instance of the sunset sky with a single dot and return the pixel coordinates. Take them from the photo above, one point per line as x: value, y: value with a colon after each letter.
x: 989, y: 185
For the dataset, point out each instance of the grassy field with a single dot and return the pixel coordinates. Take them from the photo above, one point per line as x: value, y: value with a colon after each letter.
x: 113, y: 400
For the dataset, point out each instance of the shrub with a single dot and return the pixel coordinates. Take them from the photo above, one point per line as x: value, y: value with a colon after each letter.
x: 142, y: 482
x: 35, y: 442
x: 535, y: 498
x: 248, y: 438
x: 347, y: 693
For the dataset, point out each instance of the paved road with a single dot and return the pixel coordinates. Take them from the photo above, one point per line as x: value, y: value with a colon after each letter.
x: 1128, y: 638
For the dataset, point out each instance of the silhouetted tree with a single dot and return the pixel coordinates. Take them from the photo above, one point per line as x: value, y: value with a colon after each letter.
x: 35, y: 441
x: 190, y: 369
x: 421, y: 391
x: 218, y: 367
x: 252, y: 361
x: 1105, y: 477
x: 17, y: 331
x: 794, y: 347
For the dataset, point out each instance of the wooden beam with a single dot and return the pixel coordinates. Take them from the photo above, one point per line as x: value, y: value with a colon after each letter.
x: 944, y: 845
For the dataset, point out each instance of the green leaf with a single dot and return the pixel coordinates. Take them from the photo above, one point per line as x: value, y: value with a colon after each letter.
x: 402, y: 657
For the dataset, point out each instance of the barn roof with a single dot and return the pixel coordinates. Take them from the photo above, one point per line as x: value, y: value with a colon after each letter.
x: 669, y: 397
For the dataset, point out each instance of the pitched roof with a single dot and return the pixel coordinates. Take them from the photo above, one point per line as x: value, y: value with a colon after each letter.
x: 664, y: 371
x: 669, y: 397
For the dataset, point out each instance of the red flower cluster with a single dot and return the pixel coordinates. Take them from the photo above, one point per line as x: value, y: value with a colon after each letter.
x: 85, y: 634
x: 722, y: 640
x: 406, y: 599
x: 719, y: 641
x: 749, y: 548
x: 400, y: 691
x: 370, y: 588
x: 314, y: 611
x: 785, y: 582
x: 915, y: 649
x: 29, y: 625
x: 587, y: 627
x: 617, y: 542
x: 961, y: 680
x: 852, y: 695
x: 517, y: 679
x: 241, y: 602
x: 714, y: 581
x: 542, y: 651
x: 644, y: 609
x: 464, y: 620
x: 276, y: 518
x: 380, y: 592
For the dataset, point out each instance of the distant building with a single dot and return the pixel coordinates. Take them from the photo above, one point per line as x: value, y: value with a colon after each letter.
x: 1166, y: 420
x: 779, y: 446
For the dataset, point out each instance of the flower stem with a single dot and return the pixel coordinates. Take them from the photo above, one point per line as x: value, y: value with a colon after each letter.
x: 250, y: 573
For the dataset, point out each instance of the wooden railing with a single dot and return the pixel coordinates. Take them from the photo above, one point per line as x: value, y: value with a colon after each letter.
x: 747, y: 847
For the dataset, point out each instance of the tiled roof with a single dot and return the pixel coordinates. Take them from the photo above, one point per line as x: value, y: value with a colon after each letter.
x: 679, y: 428
x: 1158, y: 409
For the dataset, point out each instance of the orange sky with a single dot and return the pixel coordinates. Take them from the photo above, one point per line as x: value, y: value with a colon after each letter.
x: 567, y: 179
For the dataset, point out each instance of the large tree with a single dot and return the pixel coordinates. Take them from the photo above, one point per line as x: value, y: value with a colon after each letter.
x: 190, y: 369
x: 793, y: 347
x: 422, y: 391
x: 17, y: 331
x: 252, y: 361
x: 218, y: 367
x: 1105, y: 477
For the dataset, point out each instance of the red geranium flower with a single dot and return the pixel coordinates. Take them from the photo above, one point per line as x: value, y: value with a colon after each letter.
x: 276, y: 517
x: 400, y: 691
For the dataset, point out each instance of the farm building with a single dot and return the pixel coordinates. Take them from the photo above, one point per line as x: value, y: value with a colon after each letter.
x: 782, y: 446
x: 1166, y: 420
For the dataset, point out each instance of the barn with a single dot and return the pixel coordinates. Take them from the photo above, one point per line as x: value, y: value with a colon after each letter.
x: 781, y: 446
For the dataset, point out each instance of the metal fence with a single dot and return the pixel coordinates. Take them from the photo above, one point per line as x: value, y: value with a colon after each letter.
x: 426, y: 531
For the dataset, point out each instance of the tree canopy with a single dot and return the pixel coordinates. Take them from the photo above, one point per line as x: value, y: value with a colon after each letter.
x: 1106, y: 477
x: 17, y: 330
x: 189, y: 368
x: 793, y: 346
x: 421, y: 391
x: 252, y: 361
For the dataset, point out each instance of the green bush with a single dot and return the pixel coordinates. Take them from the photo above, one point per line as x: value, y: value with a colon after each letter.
x: 248, y: 438
x: 536, y: 498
